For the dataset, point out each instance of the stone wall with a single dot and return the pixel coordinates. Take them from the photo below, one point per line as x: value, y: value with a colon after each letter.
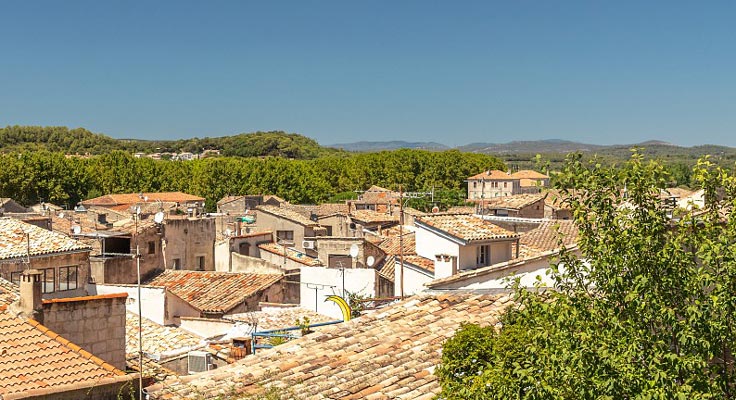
x: 95, y: 323
x: 187, y: 239
x: 55, y: 261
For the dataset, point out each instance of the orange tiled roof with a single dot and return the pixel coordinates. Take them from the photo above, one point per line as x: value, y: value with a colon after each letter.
x: 285, y: 213
x: 388, y: 269
x: 14, y: 243
x: 213, y: 292
x: 465, y: 227
x: 546, y: 237
x: 493, y: 175
x: 461, y: 210
x: 370, y: 216
x: 158, y: 340
x: 392, y: 245
x: 9, y: 292
x: 279, y: 318
x: 389, y: 354
x: 33, y: 357
x: 529, y: 174
x: 291, y: 254
x: 421, y: 262
x: 515, y: 202
x: 133, y: 198
x: 557, y: 200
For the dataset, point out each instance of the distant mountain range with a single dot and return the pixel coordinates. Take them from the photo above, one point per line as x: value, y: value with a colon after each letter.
x: 538, y: 146
x: 392, y: 145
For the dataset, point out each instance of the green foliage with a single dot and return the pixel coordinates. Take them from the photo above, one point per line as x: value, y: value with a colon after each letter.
x: 649, y: 314
x: 33, y: 176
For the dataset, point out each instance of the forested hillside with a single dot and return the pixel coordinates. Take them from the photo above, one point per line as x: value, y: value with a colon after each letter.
x: 81, y: 141
x: 29, y: 177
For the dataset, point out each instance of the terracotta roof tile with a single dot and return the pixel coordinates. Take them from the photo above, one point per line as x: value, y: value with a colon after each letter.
x: 465, y: 227
x: 392, y: 245
x: 33, y: 357
x: 514, y: 202
x: 277, y: 318
x: 370, y: 216
x: 213, y: 292
x: 291, y: 254
x: 390, y: 353
x: 286, y: 213
x: 421, y: 262
x: 133, y: 198
x: 388, y: 269
x: 9, y: 292
x: 493, y: 175
x: 13, y: 242
x: 158, y: 340
x: 461, y: 210
x: 546, y: 237
x: 529, y: 174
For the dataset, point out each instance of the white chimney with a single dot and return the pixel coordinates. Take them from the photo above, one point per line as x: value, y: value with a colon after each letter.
x: 445, y: 265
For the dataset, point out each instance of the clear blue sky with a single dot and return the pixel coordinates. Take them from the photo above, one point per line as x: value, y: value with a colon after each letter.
x: 343, y: 71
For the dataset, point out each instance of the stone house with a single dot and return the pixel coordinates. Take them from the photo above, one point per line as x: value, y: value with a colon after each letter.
x: 66, y: 348
x: 531, y: 181
x: 519, y: 206
x: 64, y: 263
x: 493, y: 183
x: 288, y: 226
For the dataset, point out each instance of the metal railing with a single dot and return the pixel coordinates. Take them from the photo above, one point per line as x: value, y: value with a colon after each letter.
x: 282, y: 333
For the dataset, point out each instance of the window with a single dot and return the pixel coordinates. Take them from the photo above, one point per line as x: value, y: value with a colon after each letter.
x: 200, y: 263
x: 285, y: 235
x: 475, y: 184
x: 244, y: 249
x: 68, y: 278
x: 15, y: 277
x: 483, y: 255
x: 177, y: 263
x: 505, y: 184
x: 48, y: 280
x: 152, y: 247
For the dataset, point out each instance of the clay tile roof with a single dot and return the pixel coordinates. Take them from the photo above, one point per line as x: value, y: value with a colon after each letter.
x: 285, y: 213
x: 461, y: 210
x: 9, y: 292
x: 33, y: 357
x: 413, y: 212
x: 158, y: 340
x: 556, y: 200
x: 546, y: 237
x: 228, y: 199
x: 370, y: 216
x: 465, y: 227
x: 14, y: 244
x: 515, y: 202
x: 133, y: 198
x: 392, y: 245
x: 389, y: 354
x: 493, y: 175
x: 213, y: 292
x: 291, y: 254
x: 388, y: 269
x: 529, y: 174
x: 277, y: 318
x: 421, y: 262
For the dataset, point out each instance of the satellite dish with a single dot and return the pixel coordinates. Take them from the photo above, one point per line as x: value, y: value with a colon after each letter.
x: 61, y: 215
x: 435, y: 209
x: 370, y: 261
x: 145, y: 198
x: 77, y: 229
x: 228, y: 232
x: 158, y: 217
x: 354, y: 250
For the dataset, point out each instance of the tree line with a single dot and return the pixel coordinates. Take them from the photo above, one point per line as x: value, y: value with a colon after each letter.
x: 81, y: 141
x: 33, y: 176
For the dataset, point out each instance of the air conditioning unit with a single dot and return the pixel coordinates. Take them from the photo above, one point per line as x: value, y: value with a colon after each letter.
x: 199, y: 361
x: 309, y: 244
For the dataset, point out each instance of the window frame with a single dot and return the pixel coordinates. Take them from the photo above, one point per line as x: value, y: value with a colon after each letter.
x: 66, y: 281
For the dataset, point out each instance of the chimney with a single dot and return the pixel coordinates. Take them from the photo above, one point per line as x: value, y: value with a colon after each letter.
x: 30, y: 295
x: 444, y: 266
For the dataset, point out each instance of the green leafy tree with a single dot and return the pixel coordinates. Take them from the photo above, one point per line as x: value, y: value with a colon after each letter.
x: 648, y: 312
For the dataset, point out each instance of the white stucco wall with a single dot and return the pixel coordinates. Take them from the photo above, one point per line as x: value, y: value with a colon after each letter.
x: 363, y: 281
x: 159, y: 306
x: 414, y: 280
x: 430, y: 244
